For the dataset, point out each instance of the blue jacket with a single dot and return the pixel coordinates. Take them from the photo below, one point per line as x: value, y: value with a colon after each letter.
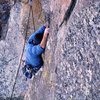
x: 33, y: 52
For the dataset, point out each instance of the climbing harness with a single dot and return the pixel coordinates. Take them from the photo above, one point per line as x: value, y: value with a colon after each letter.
x: 11, y: 97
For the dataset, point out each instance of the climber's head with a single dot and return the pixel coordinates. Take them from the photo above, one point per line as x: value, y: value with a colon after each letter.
x: 37, y: 39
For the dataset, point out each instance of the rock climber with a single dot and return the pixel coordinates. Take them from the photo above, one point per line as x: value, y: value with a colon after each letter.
x: 34, y: 49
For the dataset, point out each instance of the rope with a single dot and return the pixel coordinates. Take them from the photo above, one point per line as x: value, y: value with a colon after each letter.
x: 20, y: 58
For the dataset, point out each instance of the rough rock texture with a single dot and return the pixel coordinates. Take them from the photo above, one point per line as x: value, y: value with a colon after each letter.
x: 9, y: 53
x: 72, y: 60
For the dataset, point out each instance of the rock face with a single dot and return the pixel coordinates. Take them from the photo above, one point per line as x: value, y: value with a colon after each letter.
x: 9, y: 53
x: 72, y: 61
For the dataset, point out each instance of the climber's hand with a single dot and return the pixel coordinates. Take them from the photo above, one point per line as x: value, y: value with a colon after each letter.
x: 46, y: 32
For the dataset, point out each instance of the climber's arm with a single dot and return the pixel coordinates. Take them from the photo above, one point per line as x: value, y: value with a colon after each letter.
x: 39, y: 49
x: 44, y: 39
x: 39, y: 31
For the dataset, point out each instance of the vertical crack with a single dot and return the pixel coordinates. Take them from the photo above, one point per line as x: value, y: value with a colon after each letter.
x: 68, y: 12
